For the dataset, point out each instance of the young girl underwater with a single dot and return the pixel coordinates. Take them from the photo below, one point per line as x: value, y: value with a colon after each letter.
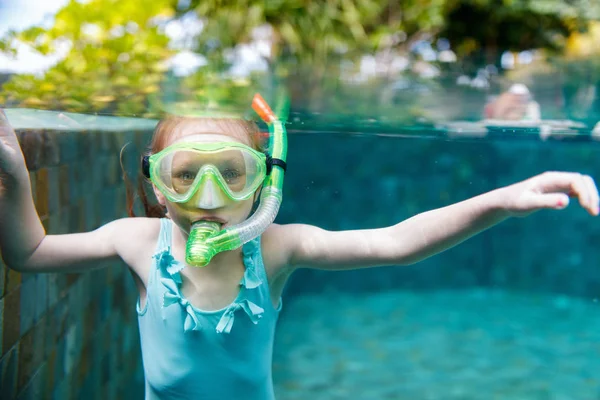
x: 209, y: 271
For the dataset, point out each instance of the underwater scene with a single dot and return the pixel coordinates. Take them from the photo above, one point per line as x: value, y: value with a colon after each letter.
x: 391, y: 109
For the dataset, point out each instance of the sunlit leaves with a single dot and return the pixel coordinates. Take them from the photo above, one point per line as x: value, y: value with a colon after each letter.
x: 116, y: 58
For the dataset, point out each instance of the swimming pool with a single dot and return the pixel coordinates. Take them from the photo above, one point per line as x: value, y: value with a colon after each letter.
x: 511, y: 313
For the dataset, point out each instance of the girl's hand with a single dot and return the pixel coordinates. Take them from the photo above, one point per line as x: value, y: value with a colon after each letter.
x: 550, y: 190
x: 13, y: 170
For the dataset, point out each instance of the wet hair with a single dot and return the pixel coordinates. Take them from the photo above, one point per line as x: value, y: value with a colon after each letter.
x: 244, y: 130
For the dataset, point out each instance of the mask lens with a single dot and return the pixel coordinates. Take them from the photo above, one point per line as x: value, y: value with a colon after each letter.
x: 237, y: 171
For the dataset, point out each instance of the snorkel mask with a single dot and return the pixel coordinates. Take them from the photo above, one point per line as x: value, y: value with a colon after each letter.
x: 213, y: 170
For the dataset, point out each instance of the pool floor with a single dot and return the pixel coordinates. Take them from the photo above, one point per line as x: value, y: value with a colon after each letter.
x: 463, y: 344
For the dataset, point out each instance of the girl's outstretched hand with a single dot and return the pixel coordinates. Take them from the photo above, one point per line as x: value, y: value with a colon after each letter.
x: 550, y: 190
x: 12, y: 163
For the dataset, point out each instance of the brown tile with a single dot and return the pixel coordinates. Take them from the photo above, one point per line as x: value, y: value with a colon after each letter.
x: 51, y: 360
x: 3, y: 272
x: 84, y: 362
x: 50, y: 149
x: 12, y: 319
x: 81, y: 218
x: 9, y: 366
x: 27, y: 359
x: 89, y: 320
x: 63, y: 185
x: 59, y: 316
x: 72, y: 279
x: 53, y: 190
x: 40, y: 339
x: 1, y: 322
x: 42, y: 192
x: 31, y: 145
x: 13, y: 280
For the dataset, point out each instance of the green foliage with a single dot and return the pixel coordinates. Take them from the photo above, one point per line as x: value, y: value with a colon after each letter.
x: 116, y: 58
x: 116, y: 62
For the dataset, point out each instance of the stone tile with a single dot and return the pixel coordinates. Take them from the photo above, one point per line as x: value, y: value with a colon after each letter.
x: 67, y: 146
x: 82, y: 218
x: 36, y: 388
x: 59, y: 362
x: 50, y: 369
x: 61, y: 389
x: 27, y: 359
x: 50, y: 148
x: 41, y: 284
x: 12, y: 319
x: 60, y: 321
x: 3, y: 272
x: 13, y: 280
x: 74, y: 213
x: 40, y: 339
x: 63, y: 185
x: 1, y: 321
x: 54, y: 225
x: 53, y: 190
x: 73, y: 346
x: 29, y: 298
x: 113, y: 170
x: 90, y: 320
x: 75, y: 171
x: 53, y: 289
x: 31, y: 145
x: 42, y: 192
x: 8, y: 373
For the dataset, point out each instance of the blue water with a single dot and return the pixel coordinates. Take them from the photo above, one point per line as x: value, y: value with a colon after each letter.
x: 513, y: 313
x: 449, y: 344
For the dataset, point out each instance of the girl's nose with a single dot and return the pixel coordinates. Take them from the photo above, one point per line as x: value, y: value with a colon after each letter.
x: 210, y: 196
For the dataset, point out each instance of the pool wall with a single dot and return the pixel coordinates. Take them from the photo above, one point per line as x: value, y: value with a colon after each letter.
x: 76, y: 334
x: 73, y: 335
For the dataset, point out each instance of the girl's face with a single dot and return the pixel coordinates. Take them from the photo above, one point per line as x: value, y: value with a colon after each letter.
x: 228, y: 212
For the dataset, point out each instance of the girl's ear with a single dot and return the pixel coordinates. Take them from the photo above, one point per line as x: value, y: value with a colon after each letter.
x: 159, y: 196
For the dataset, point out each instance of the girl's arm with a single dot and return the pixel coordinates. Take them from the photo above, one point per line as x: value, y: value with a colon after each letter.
x: 431, y: 232
x: 24, y: 244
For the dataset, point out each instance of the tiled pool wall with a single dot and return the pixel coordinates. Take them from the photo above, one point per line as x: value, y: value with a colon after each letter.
x: 76, y: 334
x: 73, y: 335
x: 348, y: 182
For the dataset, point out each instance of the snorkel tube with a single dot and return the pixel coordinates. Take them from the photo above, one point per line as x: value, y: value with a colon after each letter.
x: 207, y: 239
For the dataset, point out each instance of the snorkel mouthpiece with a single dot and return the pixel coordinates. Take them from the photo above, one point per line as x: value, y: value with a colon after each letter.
x: 197, y: 250
x: 207, y: 239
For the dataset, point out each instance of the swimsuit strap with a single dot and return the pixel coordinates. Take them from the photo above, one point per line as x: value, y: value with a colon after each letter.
x: 165, y: 235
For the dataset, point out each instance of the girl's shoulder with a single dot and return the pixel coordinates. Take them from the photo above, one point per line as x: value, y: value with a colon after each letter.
x: 277, y: 246
x: 135, y: 240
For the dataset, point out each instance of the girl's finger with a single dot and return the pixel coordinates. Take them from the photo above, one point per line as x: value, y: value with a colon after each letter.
x: 7, y: 133
x: 555, y: 201
x: 549, y: 182
x: 592, y: 191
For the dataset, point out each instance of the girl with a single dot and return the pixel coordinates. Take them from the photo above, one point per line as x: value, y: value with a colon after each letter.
x: 207, y: 333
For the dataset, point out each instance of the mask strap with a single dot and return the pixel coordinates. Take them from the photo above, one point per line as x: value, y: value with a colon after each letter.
x: 146, y: 166
x: 274, y: 161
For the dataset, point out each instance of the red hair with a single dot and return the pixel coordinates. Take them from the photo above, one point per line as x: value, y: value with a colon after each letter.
x: 240, y: 129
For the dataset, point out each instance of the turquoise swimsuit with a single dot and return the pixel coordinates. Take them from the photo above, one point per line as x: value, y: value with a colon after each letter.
x: 189, y: 353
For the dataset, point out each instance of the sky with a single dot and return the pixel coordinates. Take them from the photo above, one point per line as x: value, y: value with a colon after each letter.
x: 19, y: 14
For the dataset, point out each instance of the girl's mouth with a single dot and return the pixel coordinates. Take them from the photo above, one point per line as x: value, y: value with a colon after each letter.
x: 210, y: 219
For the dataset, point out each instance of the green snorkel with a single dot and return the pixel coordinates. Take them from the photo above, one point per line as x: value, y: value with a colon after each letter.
x: 207, y: 239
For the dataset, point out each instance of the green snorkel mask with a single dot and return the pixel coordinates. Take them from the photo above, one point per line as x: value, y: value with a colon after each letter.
x: 226, y: 168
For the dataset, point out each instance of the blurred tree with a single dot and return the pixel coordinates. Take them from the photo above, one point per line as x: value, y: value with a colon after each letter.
x: 481, y: 30
x: 115, y: 58
x: 118, y: 53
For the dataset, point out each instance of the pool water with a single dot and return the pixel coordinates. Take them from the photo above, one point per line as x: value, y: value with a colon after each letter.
x: 447, y: 344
